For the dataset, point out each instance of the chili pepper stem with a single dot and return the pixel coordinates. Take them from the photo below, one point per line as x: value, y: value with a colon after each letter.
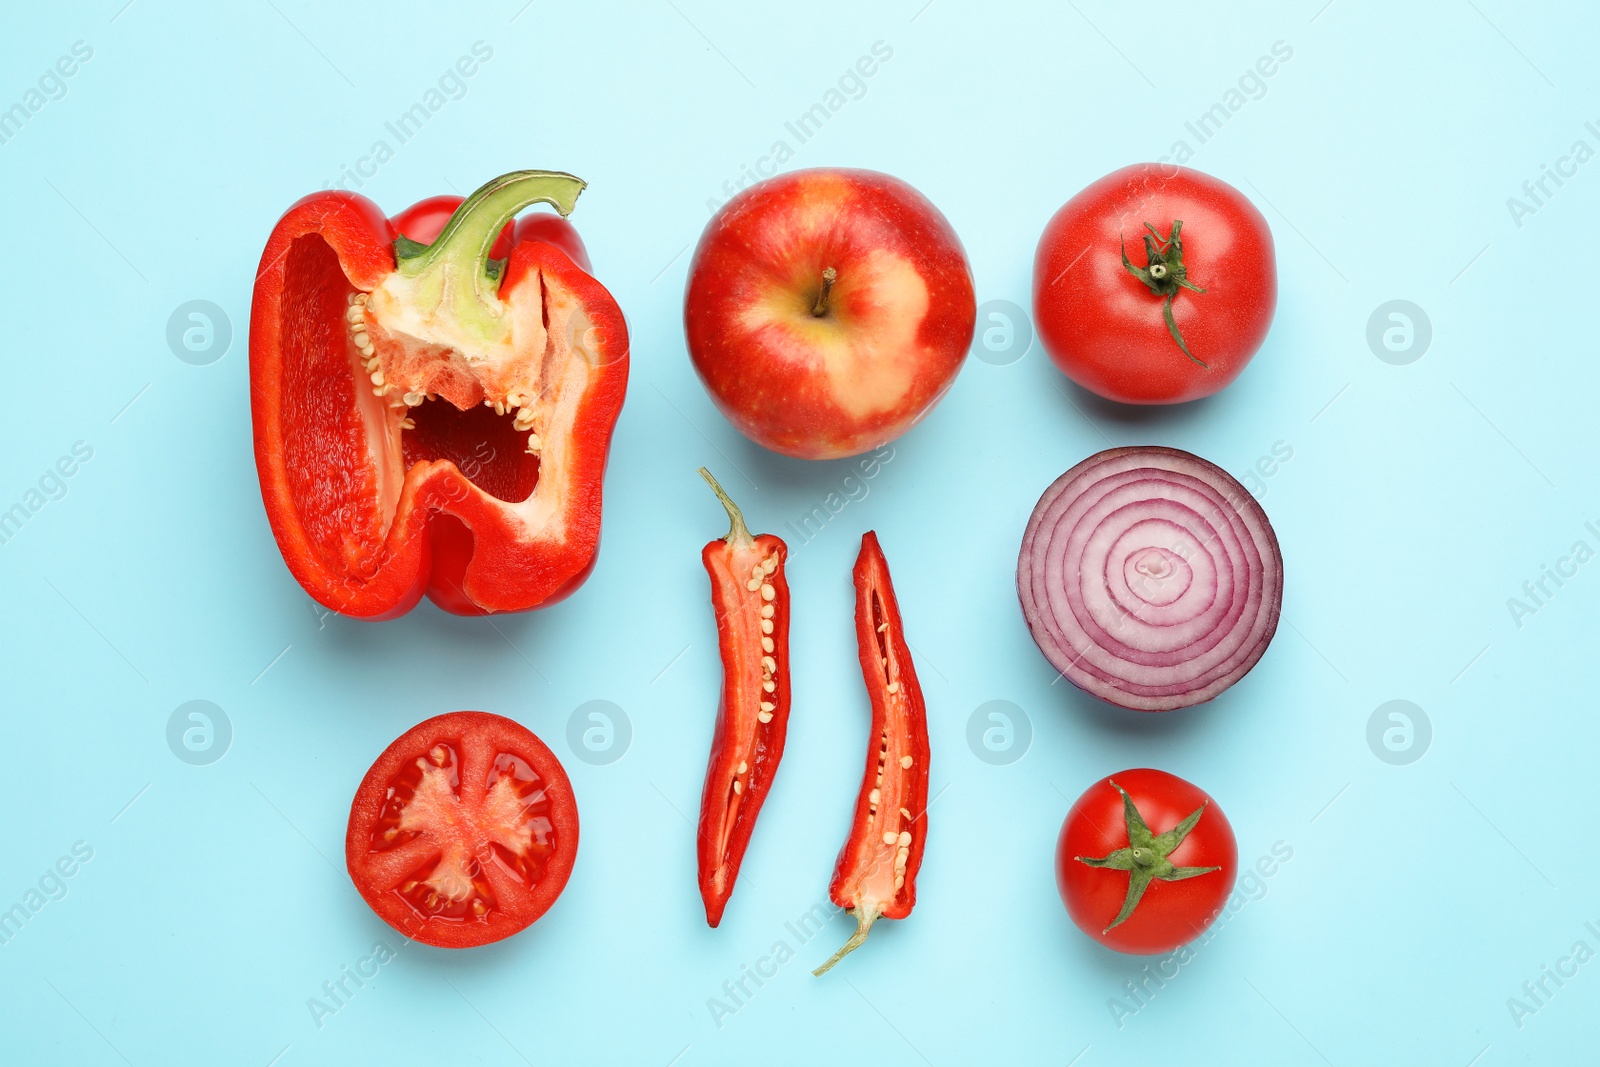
x: 738, y: 532
x: 865, y: 917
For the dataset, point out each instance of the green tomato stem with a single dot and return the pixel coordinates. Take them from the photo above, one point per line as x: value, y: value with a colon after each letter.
x: 1165, y: 275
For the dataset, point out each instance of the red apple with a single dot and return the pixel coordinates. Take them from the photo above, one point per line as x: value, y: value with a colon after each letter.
x: 828, y: 310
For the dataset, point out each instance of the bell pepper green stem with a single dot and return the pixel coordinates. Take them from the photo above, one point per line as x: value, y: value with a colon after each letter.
x: 456, y: 266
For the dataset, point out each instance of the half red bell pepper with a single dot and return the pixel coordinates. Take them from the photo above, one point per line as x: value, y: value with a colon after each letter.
x: 876, y: 876
x: 750, y: 594
x: 429, y: 418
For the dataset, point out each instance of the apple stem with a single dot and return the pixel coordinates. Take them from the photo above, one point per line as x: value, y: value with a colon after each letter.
x: 820, y: 308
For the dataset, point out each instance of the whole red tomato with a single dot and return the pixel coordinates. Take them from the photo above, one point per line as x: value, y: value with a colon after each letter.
x: 1145, y: 861
x: 827, y: 311
x: 1155, y: 285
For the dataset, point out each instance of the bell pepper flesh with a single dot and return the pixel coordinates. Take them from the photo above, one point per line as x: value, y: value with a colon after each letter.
x: 427, y: 420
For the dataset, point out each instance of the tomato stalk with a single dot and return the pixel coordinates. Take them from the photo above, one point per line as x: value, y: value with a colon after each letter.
x: 1145, y: 858
x: 1165, y: 274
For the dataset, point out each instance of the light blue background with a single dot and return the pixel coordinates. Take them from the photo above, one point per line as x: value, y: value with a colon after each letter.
x: 1418, y: 499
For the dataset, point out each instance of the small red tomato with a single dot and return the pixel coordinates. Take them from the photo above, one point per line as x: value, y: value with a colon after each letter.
x: 463, y: 832
x: 1145, y: 861
x: 1155, y: 285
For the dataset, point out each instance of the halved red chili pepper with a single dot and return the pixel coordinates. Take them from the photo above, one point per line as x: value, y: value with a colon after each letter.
x: 876, y: 876
x: 751, y: 596
x: 430, y: 418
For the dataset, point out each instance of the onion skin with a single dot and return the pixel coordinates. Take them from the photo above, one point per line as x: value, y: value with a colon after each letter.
x: 1150, y: 578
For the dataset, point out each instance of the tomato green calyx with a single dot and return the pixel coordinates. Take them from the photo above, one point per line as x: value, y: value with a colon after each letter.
x: 1145, y: 858
x: 456, y: 269
x: 738, y: 532
x: 1165, y: 274
x: 865, y: 917
x: 820, y: 308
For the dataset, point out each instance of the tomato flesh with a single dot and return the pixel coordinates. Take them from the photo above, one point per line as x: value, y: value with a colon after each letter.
x: 463, y: 832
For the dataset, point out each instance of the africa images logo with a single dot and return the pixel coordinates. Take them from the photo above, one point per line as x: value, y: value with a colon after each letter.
x: 1537, y: 192
x: 1537, y: 592
x: 50, y: 886
x: 1536, y: 993
x: 851, y: 85
x: 52, y: 485
x: 51, y: 85
x: 450, y: 85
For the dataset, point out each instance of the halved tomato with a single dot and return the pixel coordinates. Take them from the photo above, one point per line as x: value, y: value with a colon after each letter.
x: 464, y: 831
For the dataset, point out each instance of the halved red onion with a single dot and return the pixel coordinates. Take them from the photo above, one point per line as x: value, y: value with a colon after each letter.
x: 1150, y: 578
